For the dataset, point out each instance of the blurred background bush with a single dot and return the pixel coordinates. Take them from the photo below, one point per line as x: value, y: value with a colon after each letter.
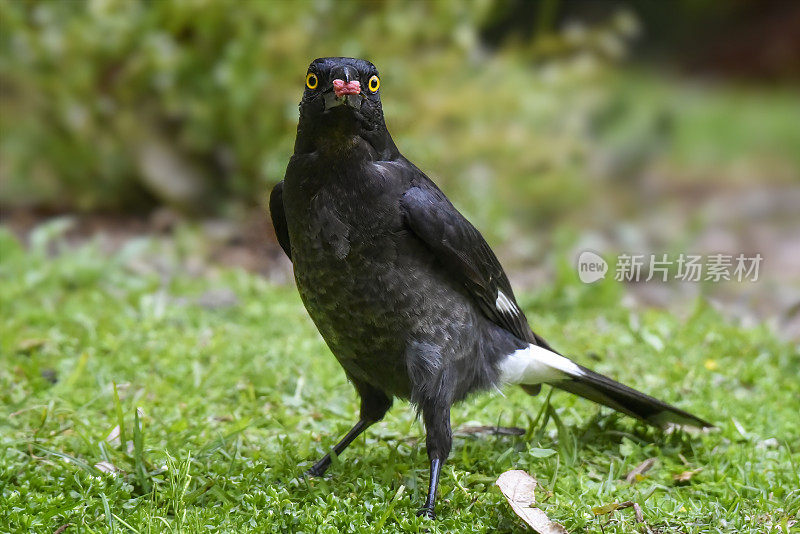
x: 626, y: 125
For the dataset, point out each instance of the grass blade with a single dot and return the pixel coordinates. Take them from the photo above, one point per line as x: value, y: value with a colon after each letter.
x: 389, y: 508
x: 123, y: 438
x: 138, y: 453
x: 109, y: 515
x: 80, y: 463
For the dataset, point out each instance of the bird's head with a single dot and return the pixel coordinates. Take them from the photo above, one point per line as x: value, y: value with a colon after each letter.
x: 341, y: 102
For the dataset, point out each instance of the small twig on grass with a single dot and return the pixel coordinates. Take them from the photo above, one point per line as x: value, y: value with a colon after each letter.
x: 636, y: 473
x: 614, y: 506
x: 493, y: 430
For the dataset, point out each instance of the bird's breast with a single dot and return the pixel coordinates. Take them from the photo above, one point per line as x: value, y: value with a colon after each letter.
x: 342, y: 215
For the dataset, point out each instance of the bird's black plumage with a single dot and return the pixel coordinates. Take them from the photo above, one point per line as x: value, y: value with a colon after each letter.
x: 405, y: 291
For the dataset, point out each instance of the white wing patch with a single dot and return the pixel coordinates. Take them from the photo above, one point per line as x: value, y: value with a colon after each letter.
x: 505, y: 304
x: 535, y: 365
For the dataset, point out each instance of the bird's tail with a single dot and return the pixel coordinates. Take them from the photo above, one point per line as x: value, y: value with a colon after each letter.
x: 535, y: 365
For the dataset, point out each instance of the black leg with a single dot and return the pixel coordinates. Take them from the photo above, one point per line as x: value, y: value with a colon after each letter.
x: 374, y: 405
x: 438, y: 441
x: 433, y: 486
x: 321, y: 466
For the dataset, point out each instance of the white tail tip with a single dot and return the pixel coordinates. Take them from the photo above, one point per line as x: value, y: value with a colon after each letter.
x: 535, y: 365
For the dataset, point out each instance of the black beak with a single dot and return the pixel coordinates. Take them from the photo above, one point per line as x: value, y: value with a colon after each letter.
x: 344, y: 72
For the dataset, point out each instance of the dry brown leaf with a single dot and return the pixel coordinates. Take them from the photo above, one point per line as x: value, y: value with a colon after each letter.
x: 518, y: 487
x: 106, y: 467
x: 636, y: 473
x: 113, y: 436
x: 686, y: 476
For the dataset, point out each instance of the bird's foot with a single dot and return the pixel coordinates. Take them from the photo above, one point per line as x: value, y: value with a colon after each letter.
x: 426, y: 512
x: 316, y: 471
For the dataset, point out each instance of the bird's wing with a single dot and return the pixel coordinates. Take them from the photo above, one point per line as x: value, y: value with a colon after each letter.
x: 464, y: 252
x: 278, y: 215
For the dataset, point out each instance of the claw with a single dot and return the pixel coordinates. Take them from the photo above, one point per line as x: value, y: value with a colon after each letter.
x: 314, y: 471
x: 426, y: 512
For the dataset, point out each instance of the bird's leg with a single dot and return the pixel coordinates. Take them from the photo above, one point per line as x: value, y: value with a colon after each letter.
x: 321, y: 466
x: 374, y: 405
x: 427, y: 509
x: 438, y: 441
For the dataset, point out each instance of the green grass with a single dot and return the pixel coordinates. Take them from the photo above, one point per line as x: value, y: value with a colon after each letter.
x: 219, y: 409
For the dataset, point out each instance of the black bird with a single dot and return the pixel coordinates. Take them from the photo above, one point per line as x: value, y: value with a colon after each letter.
x: 405, y: 291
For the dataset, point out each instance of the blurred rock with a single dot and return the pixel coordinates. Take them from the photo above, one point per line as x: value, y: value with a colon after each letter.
x: 218, y: 298
x: 170, y: 176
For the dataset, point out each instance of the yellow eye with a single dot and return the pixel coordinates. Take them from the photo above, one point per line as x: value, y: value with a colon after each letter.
x: 374, y: 83
x: 311, y: 80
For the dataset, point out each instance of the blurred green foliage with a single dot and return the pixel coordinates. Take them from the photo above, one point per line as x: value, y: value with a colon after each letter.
x: 118, y: 104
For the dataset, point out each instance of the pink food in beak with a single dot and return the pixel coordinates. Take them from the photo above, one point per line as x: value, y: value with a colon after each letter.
x: 341, y: 88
